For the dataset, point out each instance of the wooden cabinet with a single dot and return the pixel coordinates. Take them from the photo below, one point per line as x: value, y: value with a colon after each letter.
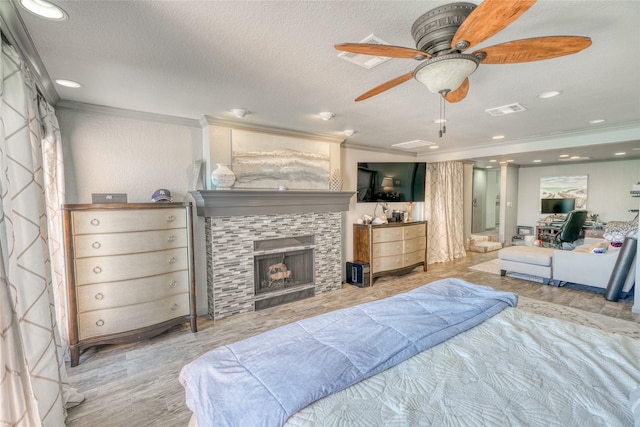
x: 129, y: 272
x: 394, y: 248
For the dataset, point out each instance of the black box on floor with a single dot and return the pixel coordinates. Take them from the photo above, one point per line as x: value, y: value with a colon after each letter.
x: 358, y: 274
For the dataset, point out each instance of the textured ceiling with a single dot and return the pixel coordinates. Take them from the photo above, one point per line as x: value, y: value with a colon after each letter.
x: 276, y: 59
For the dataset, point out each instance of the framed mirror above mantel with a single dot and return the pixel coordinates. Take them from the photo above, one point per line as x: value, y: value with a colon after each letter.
x: 266, y: 158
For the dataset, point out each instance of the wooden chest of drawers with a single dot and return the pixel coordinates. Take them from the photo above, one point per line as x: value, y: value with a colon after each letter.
x: 129, y: 272
x: 394, y: 248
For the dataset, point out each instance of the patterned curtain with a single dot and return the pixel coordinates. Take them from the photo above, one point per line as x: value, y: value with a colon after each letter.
x: 444, y: 211
x: 33, y: 384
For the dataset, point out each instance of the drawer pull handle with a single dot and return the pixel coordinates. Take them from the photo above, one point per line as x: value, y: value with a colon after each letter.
x: 171, y: 218
x: 100, y: 322
x: 173, y: 284
x: 95, y: 222
x: 96, y: 245
x: 174, y: 307
x: 97, y: 269
x: 172, y: 260
x: 99, y: 296
x: 171, y: 239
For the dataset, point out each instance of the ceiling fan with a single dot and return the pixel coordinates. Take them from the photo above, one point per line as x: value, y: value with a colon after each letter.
x: 442, y: 34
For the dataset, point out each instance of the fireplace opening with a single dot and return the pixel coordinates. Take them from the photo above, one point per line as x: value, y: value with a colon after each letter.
x: 283, y: 271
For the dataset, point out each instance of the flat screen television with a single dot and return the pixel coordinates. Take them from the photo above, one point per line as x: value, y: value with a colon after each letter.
x: 557, y: 206
x: 391, y: 182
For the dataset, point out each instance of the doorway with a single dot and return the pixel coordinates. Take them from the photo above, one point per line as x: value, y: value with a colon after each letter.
x: 485, y: 202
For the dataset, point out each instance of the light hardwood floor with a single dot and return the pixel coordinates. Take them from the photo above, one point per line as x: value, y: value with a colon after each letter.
x: 137, y: 384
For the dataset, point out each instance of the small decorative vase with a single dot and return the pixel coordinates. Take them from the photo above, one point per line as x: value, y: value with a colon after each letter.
x: 335, y: 181
x: 223, y: 178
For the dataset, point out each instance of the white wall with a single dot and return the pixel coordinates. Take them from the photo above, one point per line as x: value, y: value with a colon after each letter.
x: 109, y: 153
x: 608, y: 189
x: 349, y: 169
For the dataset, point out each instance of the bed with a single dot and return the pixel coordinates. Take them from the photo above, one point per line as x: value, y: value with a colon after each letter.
x: 449, y: 353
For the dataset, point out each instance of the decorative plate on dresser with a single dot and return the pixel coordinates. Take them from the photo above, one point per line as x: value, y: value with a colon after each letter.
x: 129, y: 272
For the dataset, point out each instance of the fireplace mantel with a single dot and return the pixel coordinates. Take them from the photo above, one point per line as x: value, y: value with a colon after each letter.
x: 226, y: 203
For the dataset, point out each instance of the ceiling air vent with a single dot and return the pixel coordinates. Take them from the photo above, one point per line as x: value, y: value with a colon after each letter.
x: 366, y: 61
x: 412, y: 144
x: 506, y: 109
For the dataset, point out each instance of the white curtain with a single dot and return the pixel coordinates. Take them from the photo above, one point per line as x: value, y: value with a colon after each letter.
x: 444, y: 211
x: 33, y: 383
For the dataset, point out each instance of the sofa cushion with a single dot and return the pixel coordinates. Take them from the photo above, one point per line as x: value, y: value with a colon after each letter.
x: 527, y: 255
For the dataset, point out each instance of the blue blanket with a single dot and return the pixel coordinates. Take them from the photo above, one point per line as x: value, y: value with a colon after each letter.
x: 263, y: 380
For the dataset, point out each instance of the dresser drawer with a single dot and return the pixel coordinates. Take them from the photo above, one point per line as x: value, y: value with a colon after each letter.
x: 115, y: 294
x: 113, y: 320
x: 104, y: 221
x: 86, y: 245
x: 412, y: 245
x: 387, y: 248
x: 417, y: 230
x: 413, y: 258
x: 387, y: 234
x: 386, y: 263
x: 132, y: 266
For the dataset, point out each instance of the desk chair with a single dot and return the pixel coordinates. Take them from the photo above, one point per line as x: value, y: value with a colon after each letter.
x: 571, y: 230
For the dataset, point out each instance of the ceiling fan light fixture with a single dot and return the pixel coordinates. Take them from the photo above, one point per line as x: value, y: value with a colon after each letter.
x: 445, y: 73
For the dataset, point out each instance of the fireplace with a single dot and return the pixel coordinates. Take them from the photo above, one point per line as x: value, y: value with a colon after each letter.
x: 249, y: 230
x: 283, y: 270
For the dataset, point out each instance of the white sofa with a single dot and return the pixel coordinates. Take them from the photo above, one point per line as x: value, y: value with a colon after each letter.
x: 581, y: 266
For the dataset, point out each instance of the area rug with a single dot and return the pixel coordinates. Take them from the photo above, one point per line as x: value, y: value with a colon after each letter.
x: 493, y: 267
x: 576, y: 315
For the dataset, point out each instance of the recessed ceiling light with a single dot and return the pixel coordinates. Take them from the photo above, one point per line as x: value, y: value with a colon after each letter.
x: 493, y: 160
x: 44, y: 9
x: 348, y: 132
x: 510, y: 161
x: 537, y: 161
x: 549, y: 94
x: 326, y: 115
x: 563, y: 155
x: 440, y: 121
x: 596, y: 121
x: 498, y: 137
x: 503, y: 163
x: 68, y: 83
x: 488, y: 167
x: 433, y: 147
x: 239, y: 112
x: 574, y: 157
x: 622, y: 153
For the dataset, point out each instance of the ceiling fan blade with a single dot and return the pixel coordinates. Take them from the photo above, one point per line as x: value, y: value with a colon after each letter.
x: 382, y: 50
x: 458, y: 94
x: 535, y: 49
x: 385, y: 86
x: 489, y: 18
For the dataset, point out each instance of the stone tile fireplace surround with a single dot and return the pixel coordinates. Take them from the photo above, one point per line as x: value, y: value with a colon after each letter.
x: 236, y: 219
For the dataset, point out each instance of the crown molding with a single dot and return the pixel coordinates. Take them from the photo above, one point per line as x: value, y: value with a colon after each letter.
x: 129, y: 114
x: 14, y: 29
x: 207, y: 121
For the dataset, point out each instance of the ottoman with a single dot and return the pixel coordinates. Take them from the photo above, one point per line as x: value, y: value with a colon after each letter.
x: 530, y: 260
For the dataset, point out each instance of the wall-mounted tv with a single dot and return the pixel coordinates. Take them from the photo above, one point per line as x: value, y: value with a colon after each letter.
x: 557, y: 206
x: 391, y: 182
